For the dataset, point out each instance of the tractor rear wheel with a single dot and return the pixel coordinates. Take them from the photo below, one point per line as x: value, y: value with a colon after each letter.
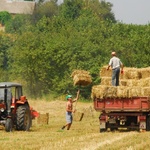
x: 23, y: 116
x: 8, y: 125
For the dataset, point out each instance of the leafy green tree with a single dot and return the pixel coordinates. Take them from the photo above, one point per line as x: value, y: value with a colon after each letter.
x: 18, y: 24
x: 28, y: 62
x: 101, y: 9
x: 47, y: 51
x: 48, y: 9
x: 70, y: 9
x: 5, y: 17
x: 6, y: 42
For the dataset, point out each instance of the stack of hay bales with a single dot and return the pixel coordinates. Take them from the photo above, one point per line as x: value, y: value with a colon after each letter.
x: 133, y: 82
x: 81, y: 77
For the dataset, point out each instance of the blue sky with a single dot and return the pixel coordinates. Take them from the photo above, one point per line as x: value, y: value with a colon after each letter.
x: 130, y: 11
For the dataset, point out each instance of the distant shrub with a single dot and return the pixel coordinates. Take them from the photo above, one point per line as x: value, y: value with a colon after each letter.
x: 4, y: 17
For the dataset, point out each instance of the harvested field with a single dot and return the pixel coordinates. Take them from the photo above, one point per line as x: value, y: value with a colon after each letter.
x: 83, y: 135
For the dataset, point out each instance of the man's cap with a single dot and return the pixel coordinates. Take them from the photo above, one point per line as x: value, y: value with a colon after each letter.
x: 68, y: 96
x: 113, y: 53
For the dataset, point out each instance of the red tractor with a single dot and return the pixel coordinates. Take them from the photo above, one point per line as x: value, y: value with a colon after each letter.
x: 15, y: 112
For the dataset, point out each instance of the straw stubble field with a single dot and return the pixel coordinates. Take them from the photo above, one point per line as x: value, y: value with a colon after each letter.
x: 83, y: 135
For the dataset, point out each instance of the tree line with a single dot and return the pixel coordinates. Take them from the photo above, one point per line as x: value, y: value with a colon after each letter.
x: 41, y: 50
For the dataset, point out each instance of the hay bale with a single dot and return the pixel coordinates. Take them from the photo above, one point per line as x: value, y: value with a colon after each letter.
x: 144, y: 82
x: 145, y: 72
x: 104, y: 72
x: 106, y: 81
x: 134, y: 92
x: 131, y: 73
x: 129, y: 82
x: 81, y: 77
x: 99, y: 91
x: 103, y: 91
x: 111, y: 92
x: 43, y: 119
x: 128, y: 92
x: 132, y: 82
x: 145, y: 91
x: 122, y: 91
x: 123, y: 82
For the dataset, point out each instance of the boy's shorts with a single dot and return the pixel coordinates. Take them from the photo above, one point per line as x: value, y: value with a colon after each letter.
x: 69, y: 117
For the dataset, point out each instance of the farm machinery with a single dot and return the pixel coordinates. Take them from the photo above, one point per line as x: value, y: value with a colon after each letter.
x: 15, y: 111
x: 129, y: 113
x: 126, y: 106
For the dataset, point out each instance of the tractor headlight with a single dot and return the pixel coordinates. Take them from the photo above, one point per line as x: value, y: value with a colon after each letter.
x: 2, y: 109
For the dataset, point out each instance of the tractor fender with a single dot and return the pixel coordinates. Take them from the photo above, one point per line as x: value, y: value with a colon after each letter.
x: 22, y: 100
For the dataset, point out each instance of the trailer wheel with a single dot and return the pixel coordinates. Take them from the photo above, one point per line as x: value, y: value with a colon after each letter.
x: 102, y: 130
x: 148, y: 123
x: 8, y: 125
x: 23, y: 118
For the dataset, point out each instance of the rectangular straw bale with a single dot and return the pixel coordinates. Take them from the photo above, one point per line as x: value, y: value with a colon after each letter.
x: 82, y: 80
x: 145, y: 91
x: 104, y: 72
x: 131, y: 73
x: 144, y: 82
x: 124, y: 75
x: 43, y: 119
x: 81, y: 77
x: 111, y: 92
x: 102, y: 91
x: 132, y: 82
x: 98, y: 91
x: 123, y: 82
x: 145, y: 72
x: 121, y: 76
x: 106, y: 81
x: 122, y: 91
x: 134, y: 91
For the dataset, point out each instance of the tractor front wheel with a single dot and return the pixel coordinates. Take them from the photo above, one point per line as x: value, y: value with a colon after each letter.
x: 8, y: 125
x: 23, y: 116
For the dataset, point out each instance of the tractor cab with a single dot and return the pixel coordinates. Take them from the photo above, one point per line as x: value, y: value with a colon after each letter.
x: 9, y: 90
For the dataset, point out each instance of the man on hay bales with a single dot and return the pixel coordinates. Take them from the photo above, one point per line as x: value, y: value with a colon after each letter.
x: 69, y: 110
x: 115, y: 64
